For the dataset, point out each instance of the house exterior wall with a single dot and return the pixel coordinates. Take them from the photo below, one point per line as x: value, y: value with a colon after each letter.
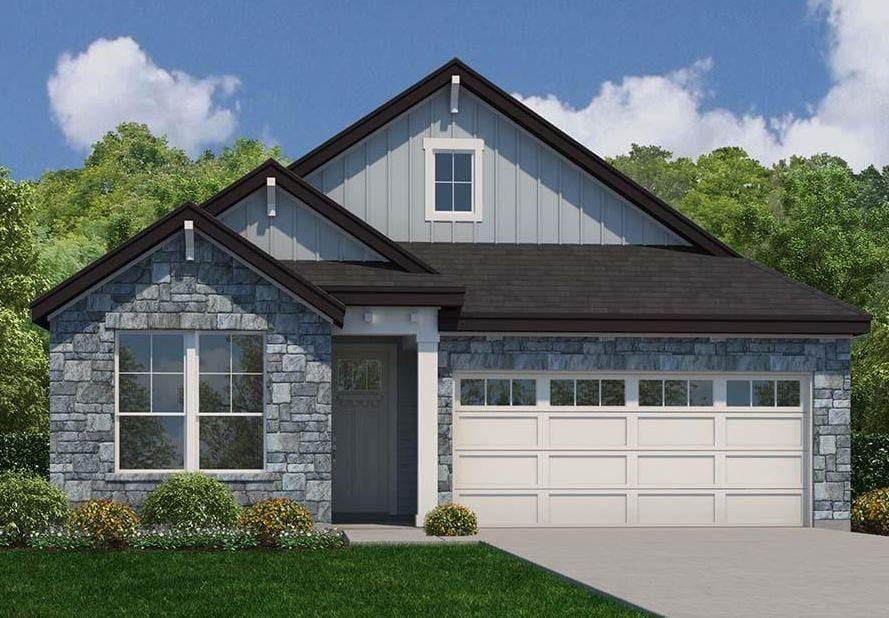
x: 296, y: 232
x: 826, y: 360
x: 531, y: 194
x: 213, y: 292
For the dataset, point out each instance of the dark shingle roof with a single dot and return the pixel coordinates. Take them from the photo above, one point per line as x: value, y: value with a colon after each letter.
x: 602, y: 289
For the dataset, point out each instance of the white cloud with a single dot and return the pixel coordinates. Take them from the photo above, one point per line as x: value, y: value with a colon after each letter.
x: 115, y: 81
x: 851, y: 120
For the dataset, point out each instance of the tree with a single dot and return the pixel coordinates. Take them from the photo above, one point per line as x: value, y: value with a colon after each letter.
x: 23, y: 363
x: 656, y: 170
x: 824, y: 238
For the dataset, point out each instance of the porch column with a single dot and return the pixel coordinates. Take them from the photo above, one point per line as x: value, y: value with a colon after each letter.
x: 427, y: 427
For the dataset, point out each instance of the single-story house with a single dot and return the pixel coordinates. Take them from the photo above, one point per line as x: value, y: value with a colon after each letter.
x: 453, y: 300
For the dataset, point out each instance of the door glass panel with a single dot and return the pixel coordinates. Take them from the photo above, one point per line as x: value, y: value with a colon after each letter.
x: 561, y: 392
x: 700, y: 393
x: 498, y: 393
x: 588, y: 392
x: 651, y: 392
x: 613, y: 393
x: 472, y: 392
x: 788, y: 392
x: 737, y: 392
x: 764, y: 392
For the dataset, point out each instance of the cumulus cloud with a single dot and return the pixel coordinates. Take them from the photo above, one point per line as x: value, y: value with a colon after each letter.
x: 115, y: 81
x: 851, y: 120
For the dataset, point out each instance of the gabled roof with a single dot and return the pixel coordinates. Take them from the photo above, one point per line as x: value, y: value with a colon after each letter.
x: 321, y: 204
x: 162, y: 229
x: 535, y: 124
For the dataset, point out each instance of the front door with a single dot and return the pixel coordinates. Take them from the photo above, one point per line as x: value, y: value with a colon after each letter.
x: 363, y: 429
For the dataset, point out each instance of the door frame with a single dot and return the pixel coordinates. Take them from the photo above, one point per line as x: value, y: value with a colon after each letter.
x: 390, y: 350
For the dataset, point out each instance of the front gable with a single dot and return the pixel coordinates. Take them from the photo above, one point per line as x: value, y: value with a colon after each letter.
x: 539, y: 185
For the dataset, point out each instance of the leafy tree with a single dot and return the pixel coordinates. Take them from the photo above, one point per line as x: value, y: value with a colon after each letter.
x: 23, y: 362
x: 656, y: 170
x: 824, y: 237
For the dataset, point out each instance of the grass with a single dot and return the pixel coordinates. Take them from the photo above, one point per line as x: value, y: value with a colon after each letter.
x: 447, y: 580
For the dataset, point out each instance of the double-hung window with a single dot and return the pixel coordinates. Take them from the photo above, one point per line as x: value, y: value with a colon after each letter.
x: 190, y: 401
x: 453, y: 179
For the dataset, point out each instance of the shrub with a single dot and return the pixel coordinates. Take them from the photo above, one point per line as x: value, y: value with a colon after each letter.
x: 269, y: 518
x: 60, y: 538
x: 29, y: 504
x: 230, y: 539
x: 25, y: 452
x: 311, y: 539
x: 190, y: 500
x: 108, y: 523
x: 870, y: 462
x: 450, y: 520
x: 870, y: 512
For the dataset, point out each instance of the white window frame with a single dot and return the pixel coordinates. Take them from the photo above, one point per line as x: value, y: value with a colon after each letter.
x: 473, y: 146
x: 191, y: 411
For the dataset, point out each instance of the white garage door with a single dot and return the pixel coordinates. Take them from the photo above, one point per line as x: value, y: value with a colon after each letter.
x: 631, y: 450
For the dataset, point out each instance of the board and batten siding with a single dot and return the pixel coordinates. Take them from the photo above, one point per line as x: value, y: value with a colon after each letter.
x: 531, y: 193
x: 296, y: 232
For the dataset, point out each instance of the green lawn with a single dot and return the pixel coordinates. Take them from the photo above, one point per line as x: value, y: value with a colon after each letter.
x: 364, y: 581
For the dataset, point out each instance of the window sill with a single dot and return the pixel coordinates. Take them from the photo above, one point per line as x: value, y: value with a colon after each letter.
x: 135, y: 477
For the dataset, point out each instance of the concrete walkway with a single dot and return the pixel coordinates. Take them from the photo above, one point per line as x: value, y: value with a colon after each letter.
x: 379, y: 534
x: 725, y: 572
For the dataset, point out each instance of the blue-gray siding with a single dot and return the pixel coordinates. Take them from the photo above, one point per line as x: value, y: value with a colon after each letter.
x: 296, y: 232
x: 531, y: 194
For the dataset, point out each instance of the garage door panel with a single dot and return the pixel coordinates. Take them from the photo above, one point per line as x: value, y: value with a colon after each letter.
x: 764, y: 509
x: 673, y: 471
x: 676, y: 509
x: 473, y: 431
x: 587, y: 510
x: 677, y: 431
x: 499, y: 509
x: 496, y: 470
x: 654, y: 465
x: 587, y: 470
x: 587, y: 431
x: 764, y: 470
x: 763, y: 431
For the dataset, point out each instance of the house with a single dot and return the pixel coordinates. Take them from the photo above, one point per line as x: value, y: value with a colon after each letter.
x: 452, y: 300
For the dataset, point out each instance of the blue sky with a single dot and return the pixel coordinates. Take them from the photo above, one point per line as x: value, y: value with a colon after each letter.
x: 688, y: 75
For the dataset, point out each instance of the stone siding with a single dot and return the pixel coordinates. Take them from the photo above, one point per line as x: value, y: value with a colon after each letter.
x: 213, y: 292
x: 826, y: 360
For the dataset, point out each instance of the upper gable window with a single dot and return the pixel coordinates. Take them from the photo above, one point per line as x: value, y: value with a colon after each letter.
x: 453, y: 179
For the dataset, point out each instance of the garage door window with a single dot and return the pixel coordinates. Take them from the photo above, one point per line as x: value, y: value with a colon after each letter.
x: 677, y: 393
x: 762, y: 393
x: 498, y: 392
x: 586, y: 392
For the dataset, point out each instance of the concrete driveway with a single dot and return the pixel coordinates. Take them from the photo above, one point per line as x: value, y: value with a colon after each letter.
x: 725, y: 572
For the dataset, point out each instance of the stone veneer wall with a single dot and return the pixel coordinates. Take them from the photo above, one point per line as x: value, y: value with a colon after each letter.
x: 826, y: 359
x: 213, y: 292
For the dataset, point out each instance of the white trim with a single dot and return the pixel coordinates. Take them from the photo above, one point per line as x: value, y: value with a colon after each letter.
x: 189, y: 240
x: 455, y: 94
x: 271, y: 196
x: 474, y: 146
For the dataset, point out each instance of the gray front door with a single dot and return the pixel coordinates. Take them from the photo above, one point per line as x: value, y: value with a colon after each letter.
x: 364, y: 428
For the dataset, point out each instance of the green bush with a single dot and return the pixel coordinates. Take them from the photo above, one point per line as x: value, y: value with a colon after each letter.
x: 25, y: 452
x: 870, y: 512
x: 870, y: 462
x: 29, y: 504
x: 108, y: 523
x: 230, y: 539
x: 269, y: 518
x: 311, y: 539
x: 190, y: 500
x: 450, y: 520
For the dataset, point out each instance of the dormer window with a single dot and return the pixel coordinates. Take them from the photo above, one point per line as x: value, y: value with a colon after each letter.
x: 453, y: 179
